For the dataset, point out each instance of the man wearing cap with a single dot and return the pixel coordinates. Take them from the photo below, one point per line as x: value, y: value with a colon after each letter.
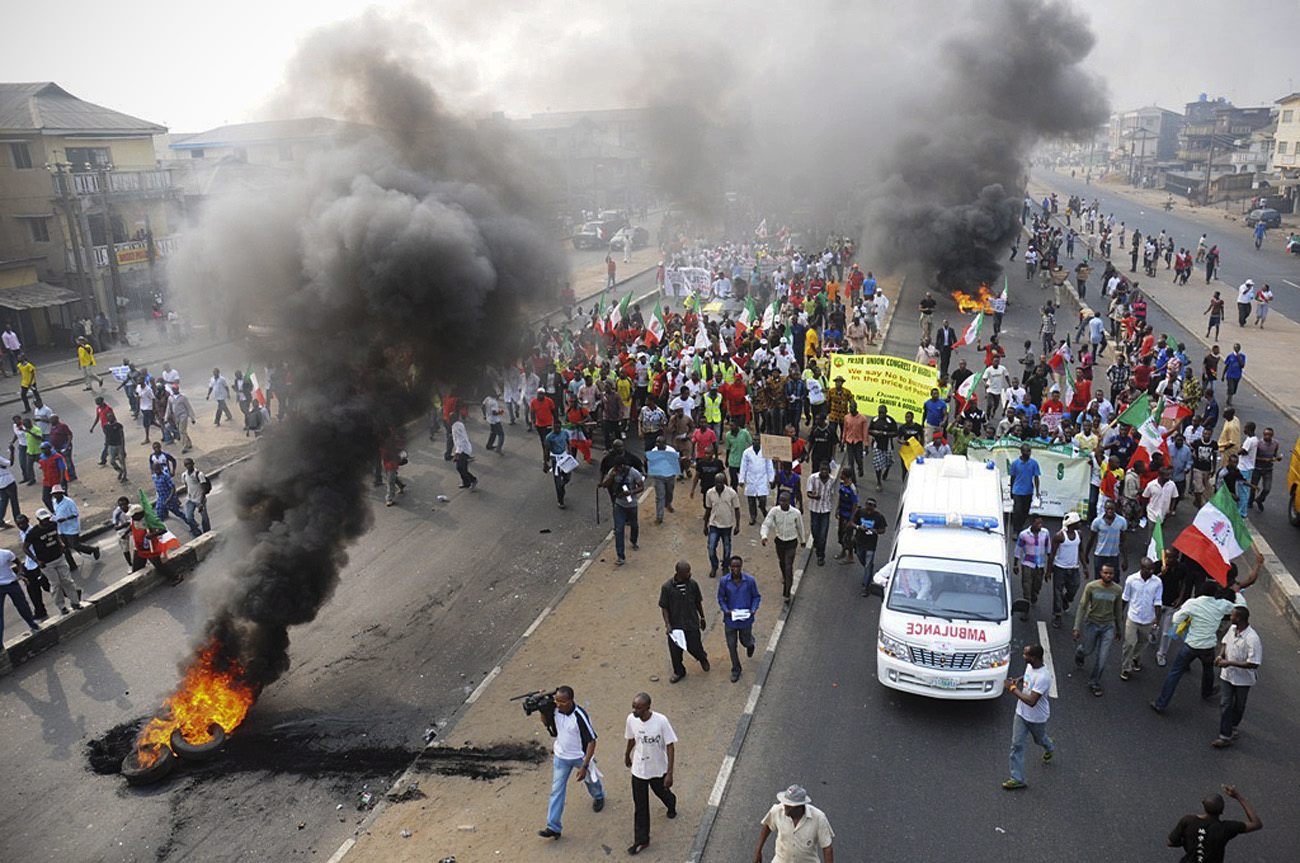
x: 1063, y: 565
x: 800, y: 829
x: 43, y: 544
x: 1245, y: 294
x: 839, y: 399
x: 937, y: 447
x: 68, y: 518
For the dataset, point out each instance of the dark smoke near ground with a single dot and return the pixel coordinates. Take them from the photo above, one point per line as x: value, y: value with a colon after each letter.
x: 951, y: 191
x: 397, y: 262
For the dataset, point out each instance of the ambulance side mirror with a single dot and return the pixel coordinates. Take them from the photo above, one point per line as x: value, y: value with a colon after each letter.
x: 1020, y: 606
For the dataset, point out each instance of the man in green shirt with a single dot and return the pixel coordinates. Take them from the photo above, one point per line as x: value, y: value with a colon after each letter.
x: 1203, y: 614
x: 1098, y: 621
x: 736, y: 441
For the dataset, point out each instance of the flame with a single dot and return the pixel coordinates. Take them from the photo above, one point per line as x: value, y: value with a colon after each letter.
x: 206, y: 694
x: 969, y: 305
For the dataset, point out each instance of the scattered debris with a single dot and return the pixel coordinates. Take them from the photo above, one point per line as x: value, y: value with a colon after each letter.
x: 365, y: 798
x: 442, y: 498
x: 544, y: 530
x: 466, y: 828
x: 410, y: 792
x: 430, y: 733
x: 302, y: 825
x: 999, y: 829
x: 406, y: 834
x: 491, y: 762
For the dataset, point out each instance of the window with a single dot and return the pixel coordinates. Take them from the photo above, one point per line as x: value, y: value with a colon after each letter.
x: 39, y: 229
x: 20, y: 155
x: 89, y: 158
x: 286, y: 153
x: 196, y: 154
x: 1281, y: 147
x: 1287, y: 115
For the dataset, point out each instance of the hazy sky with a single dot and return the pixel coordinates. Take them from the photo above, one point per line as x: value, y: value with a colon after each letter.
x: 217, y: 63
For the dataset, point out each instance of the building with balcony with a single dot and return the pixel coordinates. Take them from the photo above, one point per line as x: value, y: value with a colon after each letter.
x: 83, y: 201
x: 1285, y: 164
x: 1214, y: 127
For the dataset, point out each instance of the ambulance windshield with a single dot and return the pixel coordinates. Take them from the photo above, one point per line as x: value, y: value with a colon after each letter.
x: 950, y: 589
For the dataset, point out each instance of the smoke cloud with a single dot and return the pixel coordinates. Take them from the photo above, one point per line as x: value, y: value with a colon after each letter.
x: 397, y: 261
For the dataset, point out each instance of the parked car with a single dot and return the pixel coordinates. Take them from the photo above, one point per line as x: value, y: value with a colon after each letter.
x: 597, y: 234
x: 1271, y: 218
x: 640, y: 238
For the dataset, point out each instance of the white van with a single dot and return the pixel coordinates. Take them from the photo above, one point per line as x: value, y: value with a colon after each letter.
x: 945, y: 621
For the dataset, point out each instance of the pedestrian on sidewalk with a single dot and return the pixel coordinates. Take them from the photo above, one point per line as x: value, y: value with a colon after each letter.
x: 197, y: 489
x: 738, y: 597
x: 682, y: 606
x: 625, y: 484
x: 86, y: 362
x: 1205, y: 836
x: 13, y: 347
x: 721, y: 519
x: 1097, y: 622
x: 1240, y: 655
x: 651, y: 752
x: 42, y: 544
x: 1032, y: 712
x: 9, y: 577
x: 1267, y: 453
x: 27, y: 382
x: 784, y: 523
x: 180, y: 413
x: 1215, y: 311
x: 68, y: 518
x: 1263, y: 301
x: 1032, y: 555
x: 574, y: 750
x: 800, y: 829
x: 218, y: 390
x: 1144, y: 599
x: 1203, y: 613
x: 663, y: 463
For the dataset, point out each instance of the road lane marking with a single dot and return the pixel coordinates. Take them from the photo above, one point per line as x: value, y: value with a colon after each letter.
x: 720, y: 784
x: 1047, y: 655
x: 1291, y: 283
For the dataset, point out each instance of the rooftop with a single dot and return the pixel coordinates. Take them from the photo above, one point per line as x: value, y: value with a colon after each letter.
x: 45, y: 107
x: 265, y: 132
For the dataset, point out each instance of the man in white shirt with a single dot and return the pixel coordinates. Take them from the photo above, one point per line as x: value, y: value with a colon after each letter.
x: 756, y: 474
x: 1160, y: 494
x: 575, y: 749
x: 9, y: 587
x: 219, y: 389
x: 1144, y: 597
x: 196, y: 496
x: 822, y: 494
x: 1032, y: 713
x: 800, y: 829
x: 462, y: 450
x: 784, y: 523
x: 651, y: 751
x: 996, y: 380
x: 1240, y: 654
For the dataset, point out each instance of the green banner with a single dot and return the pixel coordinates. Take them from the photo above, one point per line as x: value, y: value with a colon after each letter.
x: 1064, y: 482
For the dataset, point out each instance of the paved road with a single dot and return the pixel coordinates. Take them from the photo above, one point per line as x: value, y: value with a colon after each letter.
x: 430, y: 600
x: 1240, y: 259
x: 908, y: 778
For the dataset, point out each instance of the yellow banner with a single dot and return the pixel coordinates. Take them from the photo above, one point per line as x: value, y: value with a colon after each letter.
x: 898, y: 384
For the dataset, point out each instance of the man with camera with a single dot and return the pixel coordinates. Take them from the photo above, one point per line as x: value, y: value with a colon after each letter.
x: 575, y: 748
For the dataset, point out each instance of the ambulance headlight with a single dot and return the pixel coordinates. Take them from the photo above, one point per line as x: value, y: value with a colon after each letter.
x: 893, y: 647
x: 994, y: 658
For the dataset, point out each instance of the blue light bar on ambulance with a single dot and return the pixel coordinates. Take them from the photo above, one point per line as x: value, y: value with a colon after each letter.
x: 953, y: 519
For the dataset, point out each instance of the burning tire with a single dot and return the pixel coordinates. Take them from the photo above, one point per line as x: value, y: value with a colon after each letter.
x: 198, y: 751
x: 137, y: 773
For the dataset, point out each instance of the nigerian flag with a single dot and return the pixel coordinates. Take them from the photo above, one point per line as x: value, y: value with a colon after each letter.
x: 1216, y: 536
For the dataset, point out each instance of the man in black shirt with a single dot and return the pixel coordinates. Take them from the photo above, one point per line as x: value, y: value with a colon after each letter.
x: 683, y: 610
x: 821, y: 443
x: 960, y: 375
x: 927, y: 306
x: 706, y: 469
x: 1204, y: 837
x: 907, y: 431
x: 1205, y: 457
x: 868, y: 525
x: 883, y: 429
x: 945, y: 340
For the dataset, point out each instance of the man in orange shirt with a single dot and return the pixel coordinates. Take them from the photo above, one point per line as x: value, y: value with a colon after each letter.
x: 855, y: 436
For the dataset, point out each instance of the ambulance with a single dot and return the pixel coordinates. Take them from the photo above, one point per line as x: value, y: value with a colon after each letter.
x: 945, y: 621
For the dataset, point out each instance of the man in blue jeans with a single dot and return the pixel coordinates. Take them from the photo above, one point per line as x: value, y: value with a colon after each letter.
x: 1098, y: 621
x: 575, y: 749
x: 1023, y: 475
x: 625, y: 484
x: 1032, y: 713
x: 721, y: 520
x: 1203, y: 614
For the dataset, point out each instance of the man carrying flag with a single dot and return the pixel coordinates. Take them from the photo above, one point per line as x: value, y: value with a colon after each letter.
x: 1217, y: 535
x: 656, y: 327
x: 972, y: 334
x: 152, y: 541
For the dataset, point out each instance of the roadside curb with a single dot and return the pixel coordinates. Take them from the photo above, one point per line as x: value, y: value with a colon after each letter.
x: 1280, y: 584
x: 118, y: 595
x: 546, y: 318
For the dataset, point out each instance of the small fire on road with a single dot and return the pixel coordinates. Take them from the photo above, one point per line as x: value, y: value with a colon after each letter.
x: 212, y: 692
x: 969, y: 304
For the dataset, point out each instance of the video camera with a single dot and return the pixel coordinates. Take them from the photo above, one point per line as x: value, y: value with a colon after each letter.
x: 535, y: 701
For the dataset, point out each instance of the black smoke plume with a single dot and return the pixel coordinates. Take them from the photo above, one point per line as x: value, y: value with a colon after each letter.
x: 950, y: 191
x: 397, y: 261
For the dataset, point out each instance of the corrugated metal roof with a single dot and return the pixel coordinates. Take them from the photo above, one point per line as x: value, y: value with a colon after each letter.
x: 35, y: 296
x: 268, y: 132
x: 46, y: 107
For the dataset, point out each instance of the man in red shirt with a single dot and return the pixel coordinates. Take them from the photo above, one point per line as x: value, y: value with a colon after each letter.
x: 733, y: 396
x: 541, y: 411
x: 102, y: 412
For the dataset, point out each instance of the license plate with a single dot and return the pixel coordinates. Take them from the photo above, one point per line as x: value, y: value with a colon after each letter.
x: 943, y: 682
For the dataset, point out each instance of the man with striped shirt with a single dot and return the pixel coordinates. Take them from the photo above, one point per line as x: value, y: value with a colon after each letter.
x: 575, y: 749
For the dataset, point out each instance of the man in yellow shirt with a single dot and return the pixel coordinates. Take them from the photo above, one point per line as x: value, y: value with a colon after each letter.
x: 86, y: 362
x: 26, y: 381
x: 811, y: 345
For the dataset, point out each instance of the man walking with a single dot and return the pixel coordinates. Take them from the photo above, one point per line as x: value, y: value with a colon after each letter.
x: 868, y: 525
x: 43, y: 545
x: 166, y: 501
x: 682, y: 606
x: 738, y: 597
x: 1144, y: 596
x: 219, y: 389
x: 721, y: 519
x: 822, y: 496
x: 663, y: 463
x: 1205, y: 836
x: 1032, y: 713
x: 800, y: 829
x: 1096, y: 623
x: 757, y: 473
x: 180, y: 413
x: 68, y: 518
x: 1240, y: 655
x: 1033, y: 551
x: 1064, y: 566
x: 651, y: 752
x: 197, y: 488
x: 1203, y: 614
x: 625, y: 484
x: 575, y: 749
x: 462, y: 450
x: 1023, y: 476
x: 784, y: 524
x: 9, y: 587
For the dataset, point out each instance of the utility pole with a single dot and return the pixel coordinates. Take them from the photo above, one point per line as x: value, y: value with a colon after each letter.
x: 108, y: 302
x: 68, y: 202
x: 1209, y: 163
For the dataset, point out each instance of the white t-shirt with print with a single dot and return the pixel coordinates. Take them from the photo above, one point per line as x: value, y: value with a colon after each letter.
x: 652, y: 736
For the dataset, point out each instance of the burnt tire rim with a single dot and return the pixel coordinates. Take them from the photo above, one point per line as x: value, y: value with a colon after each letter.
x: 136, y: 773
x: 198, y: 751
